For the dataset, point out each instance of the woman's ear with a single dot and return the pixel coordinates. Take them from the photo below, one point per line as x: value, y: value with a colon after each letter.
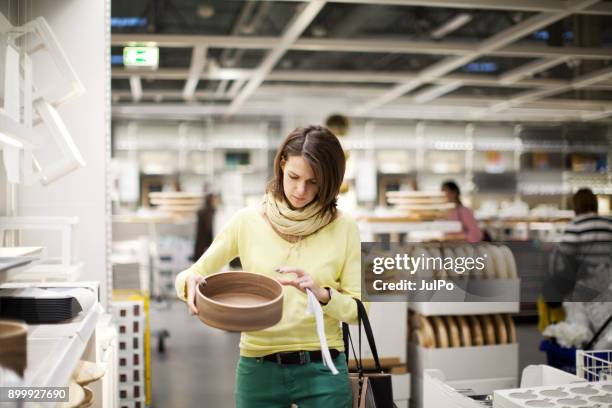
x: 282, y: 163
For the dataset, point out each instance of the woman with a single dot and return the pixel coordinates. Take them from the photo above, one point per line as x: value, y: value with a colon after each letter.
x: 299, y: 237
x: 469, y: 226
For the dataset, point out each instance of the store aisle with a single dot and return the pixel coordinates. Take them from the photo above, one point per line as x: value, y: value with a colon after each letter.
x: 197, y: 369
x: 529, y: 339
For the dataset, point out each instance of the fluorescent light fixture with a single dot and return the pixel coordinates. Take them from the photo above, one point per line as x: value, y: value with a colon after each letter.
x: 116, y: 59
x: 121, y: 22
x: 480, y: 67
x: 451, y: 25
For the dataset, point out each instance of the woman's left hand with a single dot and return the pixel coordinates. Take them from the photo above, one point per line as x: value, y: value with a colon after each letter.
x: 304, y: 281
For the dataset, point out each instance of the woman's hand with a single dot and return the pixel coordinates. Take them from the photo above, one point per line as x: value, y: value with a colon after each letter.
x: 192, y: 283
x: 304, y: 281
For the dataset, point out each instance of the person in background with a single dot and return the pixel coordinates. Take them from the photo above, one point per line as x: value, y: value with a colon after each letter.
x: 580, y: 271
x: 581, y: 264
x: 204, y: 231
x: 469, y: 226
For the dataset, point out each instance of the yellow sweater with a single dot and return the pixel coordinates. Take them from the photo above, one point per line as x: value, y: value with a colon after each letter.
x: 332, y: 256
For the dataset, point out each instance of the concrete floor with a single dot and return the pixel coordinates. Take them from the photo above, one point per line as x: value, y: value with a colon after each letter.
x: 198, y: 366
x: 197, y: 369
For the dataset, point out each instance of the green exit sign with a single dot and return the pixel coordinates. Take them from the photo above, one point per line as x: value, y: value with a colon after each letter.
x: 141, y: 57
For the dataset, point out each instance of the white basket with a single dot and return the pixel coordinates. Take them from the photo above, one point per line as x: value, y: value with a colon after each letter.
x: 594, y: 365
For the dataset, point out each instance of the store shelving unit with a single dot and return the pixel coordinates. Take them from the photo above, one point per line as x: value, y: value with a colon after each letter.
x: 370, y: 226
x: 53, y: 350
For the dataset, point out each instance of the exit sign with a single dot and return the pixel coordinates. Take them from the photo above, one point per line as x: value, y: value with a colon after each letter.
x: 147, y: 57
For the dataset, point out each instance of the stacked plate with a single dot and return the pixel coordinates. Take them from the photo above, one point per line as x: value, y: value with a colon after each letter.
x: 461, y: 331
x: 38, y: 306
x: 176, y: 202
x: 594, y: 394
x: 420, y: 205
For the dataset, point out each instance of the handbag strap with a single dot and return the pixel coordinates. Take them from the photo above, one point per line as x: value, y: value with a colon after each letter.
x: 362, y: 317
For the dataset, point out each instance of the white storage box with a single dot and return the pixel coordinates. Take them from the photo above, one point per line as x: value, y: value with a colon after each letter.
x: 463, y: 363
x: 505, y: 288
x: 131, y: 360
x: 128, y: 310
x: 129, y: 391
x: 131, y: 328
x: 539, y: 375
x: 134, y: 375
x: 129, y: 344
x: 435, y: 391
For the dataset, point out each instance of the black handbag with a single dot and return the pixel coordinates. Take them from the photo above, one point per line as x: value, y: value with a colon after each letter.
x: 379, y: 391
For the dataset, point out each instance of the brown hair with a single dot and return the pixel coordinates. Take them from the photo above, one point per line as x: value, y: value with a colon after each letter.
x: 323, y: 152
x: 584, y: 201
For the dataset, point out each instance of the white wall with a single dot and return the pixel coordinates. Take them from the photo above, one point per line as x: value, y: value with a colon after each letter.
x: 80, y: 27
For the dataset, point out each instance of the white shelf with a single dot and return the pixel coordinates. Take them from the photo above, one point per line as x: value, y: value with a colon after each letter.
x: 55, y: 349
x: 465, y: 363
x: 48, y: 272
x: 463, y: 308
x: 505, y: 289
x: 391, y: 227
x: 10, y: 252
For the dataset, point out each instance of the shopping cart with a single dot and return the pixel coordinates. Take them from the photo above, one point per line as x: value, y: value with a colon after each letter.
x: 571, y: 359
x: 594, y: 365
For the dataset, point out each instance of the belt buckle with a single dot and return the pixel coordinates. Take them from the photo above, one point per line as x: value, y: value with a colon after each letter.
x: 303, y: 359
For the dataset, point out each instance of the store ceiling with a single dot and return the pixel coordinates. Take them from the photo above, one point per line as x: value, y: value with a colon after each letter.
x: 480, y: 60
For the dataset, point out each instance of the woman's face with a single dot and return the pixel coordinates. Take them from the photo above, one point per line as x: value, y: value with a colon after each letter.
x: 451, y: 197
x: 299, y: 183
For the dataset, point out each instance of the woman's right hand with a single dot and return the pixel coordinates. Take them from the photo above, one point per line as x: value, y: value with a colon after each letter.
x: 192, y: 283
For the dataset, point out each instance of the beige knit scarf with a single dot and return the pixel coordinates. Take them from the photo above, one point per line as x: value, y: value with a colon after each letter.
x: 298, y: 223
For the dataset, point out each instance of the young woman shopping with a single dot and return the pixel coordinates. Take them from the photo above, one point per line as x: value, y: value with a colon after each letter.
x: 299, y: 237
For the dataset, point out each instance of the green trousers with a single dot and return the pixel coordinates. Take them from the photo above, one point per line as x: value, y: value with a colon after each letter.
x: 265, y: 384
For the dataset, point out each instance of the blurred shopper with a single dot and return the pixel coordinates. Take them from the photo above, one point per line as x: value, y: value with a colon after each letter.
x: 580, y: 272
x: 469, y: 226
x: 298, y: 231
x: 581, y: 264
x: 206, y: 219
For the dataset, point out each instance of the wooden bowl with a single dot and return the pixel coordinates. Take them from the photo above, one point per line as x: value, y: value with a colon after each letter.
x: 13, y: 345
x: 239, y: 301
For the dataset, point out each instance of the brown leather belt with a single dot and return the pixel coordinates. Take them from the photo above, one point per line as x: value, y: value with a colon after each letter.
x: 298, y: 357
